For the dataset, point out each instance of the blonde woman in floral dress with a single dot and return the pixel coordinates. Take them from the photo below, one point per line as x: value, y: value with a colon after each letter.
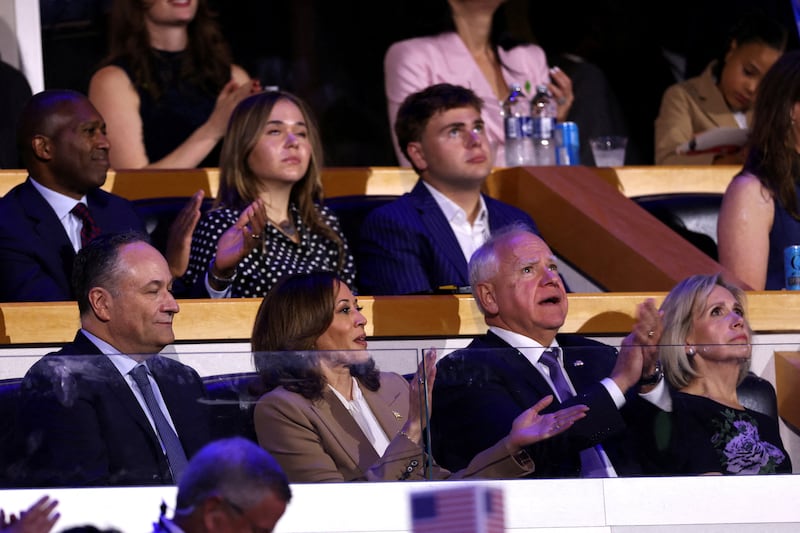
x: 702, y: 341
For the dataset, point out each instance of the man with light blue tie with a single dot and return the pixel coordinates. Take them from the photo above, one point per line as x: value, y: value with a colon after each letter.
x: 107, y: 409
x: 480, y: 389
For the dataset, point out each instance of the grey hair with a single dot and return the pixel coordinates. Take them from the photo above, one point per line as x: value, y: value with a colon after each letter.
x: 484, y: 262
x: 683, y: 304
x: 236, y: 469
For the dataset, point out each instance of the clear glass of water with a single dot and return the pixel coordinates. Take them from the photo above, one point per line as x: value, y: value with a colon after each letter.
x: 609, y: 150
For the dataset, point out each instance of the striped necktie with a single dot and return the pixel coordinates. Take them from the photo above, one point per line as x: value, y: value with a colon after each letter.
x: 90, y: 229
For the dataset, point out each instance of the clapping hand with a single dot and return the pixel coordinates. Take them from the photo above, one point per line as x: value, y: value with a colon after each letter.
x: 39, y: 518
x: 420, y: 395
x: 240, y: 239
x: 179, y: 239
x: 531, y: 426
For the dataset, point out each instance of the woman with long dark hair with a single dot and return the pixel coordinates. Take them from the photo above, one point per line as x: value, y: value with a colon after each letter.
x: 331, y: 415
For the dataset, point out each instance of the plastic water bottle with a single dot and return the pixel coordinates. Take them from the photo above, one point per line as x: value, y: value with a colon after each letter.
x: 517, y: 123
x: 543, y: 118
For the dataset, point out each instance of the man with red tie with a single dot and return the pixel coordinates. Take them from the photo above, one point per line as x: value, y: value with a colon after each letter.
x: 48, y: 218
x: 63, y: 145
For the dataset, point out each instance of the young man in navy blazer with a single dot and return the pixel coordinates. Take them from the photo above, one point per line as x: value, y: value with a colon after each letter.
x: 421, y: 242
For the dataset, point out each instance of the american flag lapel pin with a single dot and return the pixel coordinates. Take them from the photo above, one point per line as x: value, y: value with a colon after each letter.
x: 577, y: 362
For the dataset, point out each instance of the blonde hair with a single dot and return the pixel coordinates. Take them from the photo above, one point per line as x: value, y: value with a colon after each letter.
x: 683, y: 304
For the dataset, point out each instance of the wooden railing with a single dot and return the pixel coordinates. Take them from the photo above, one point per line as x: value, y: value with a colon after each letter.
x: 340, y: 181
x: 388, y: 317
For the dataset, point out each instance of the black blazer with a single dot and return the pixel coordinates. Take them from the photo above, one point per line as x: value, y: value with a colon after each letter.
x: 82, y: 425
x: 35, y: 252
x: 480, y: 389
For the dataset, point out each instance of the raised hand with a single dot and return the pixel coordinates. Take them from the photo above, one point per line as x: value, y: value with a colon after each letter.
x: 229, y: 97
x: 420, y: 396
x: 241, y: 238
x: 531, y: 426
x: 39, y: 518
x: 179, y: 239
x: 561, y: 87
x: 640, y: 347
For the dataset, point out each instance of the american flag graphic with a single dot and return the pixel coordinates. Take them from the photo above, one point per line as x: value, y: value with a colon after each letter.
x: 471, y: 509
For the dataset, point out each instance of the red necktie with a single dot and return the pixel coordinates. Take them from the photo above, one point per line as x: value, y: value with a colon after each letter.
x: 90, y: 230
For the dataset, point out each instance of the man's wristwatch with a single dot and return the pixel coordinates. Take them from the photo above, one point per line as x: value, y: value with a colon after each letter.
x: 653, y: 378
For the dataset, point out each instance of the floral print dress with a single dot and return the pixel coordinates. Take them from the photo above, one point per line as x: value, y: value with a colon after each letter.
x: 707, y: 436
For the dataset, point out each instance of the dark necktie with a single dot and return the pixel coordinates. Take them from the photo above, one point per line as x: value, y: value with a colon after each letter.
x: 169, y: 439
x: 549, y: 359
x: 90, y: 229
x: 592, y: 463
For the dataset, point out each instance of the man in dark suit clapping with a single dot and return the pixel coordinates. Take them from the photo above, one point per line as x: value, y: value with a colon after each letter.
x: 479, y: 390
x: 48, y: 218
x: 107, y: 409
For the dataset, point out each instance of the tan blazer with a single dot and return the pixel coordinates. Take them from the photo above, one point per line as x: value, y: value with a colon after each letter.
x: 320, y: 441
x: 688, y: 108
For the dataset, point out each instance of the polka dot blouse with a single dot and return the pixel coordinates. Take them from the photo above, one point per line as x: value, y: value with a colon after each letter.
x: 265, y: 265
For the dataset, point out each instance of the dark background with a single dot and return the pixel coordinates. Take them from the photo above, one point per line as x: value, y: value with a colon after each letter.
x: 330, y: 52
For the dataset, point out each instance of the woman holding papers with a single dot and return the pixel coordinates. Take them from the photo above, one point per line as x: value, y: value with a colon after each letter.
x: 698, y: 118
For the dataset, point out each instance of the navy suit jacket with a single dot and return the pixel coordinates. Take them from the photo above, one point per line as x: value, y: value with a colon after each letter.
x: 82, y: 426
x: 35, y: 252
x: 479, y: 391
x: 407, y: 246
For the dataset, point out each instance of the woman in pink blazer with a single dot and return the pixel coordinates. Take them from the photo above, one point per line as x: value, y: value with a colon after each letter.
x: 471, y: 47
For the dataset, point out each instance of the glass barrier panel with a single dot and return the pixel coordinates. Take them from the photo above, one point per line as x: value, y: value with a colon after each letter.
x: 73, y: 416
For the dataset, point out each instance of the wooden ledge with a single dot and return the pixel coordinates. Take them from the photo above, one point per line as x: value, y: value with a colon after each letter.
x: 341, y: 181
x: 388, y: 317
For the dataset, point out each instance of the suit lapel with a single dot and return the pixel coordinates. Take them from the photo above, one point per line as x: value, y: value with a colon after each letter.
x: 118, y: 388
x: 439, y: 231
x: 521, y: 368
x: 343, y: 428
x: 388, y: 406
x: 54, y: 245
x: 115, y: 384
x: 98, y: 206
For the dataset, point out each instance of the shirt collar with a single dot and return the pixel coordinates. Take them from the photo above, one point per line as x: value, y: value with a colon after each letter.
x: 450, y: 209
x: 61, y: 203
x: 122, y: 362
x: 531, y: 349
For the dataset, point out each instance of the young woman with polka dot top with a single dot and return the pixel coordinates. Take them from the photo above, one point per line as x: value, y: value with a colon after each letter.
x: 267, y: 220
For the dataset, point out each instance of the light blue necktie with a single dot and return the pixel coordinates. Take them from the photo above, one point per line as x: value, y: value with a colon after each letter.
x: 169, y: 439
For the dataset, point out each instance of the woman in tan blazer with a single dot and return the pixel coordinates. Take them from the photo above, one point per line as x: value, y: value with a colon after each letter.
x: 721, y: 97
x: 331, y: 415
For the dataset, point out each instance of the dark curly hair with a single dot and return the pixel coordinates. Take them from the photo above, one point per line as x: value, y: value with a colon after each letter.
x: 290, y: 319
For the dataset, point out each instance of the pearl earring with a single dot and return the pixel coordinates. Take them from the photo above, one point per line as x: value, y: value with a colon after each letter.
x: 690, y: 352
